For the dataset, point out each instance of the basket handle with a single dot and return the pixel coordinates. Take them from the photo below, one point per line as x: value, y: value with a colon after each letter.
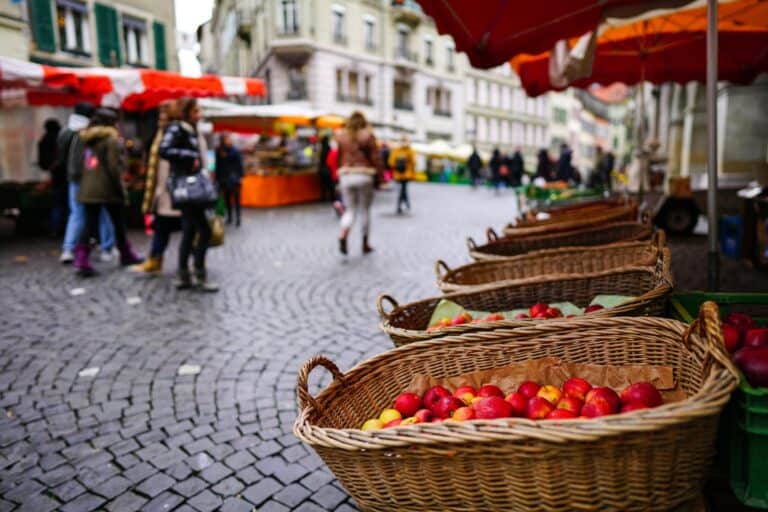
x: 441, y: 268
x: 380, y: 305
x: 659, y: 239
x: 707, y: 324
x: 471, y: 243
x: 491, y: 234
x: 305, y: 399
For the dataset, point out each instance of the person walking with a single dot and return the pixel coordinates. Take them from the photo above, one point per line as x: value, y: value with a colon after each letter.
x: 229, y: 176
x: 544, y: 165
x: 359, y: 164
x: 71, y: 151
x: 49, y: 160
x: 516, y: 169
x: 157, y: 200
x: 565, y: 171
x: 101, y: 185
x: 496, y: 162
x: 324, y: 175
x: 475, y: 165
x: 403, y: 160
x: 182, y: 148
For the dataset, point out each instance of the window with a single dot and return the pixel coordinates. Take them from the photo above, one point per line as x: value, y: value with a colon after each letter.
x: 428, y: 51
x: 369, y: 33
x: 482, y: 92
x: 353, y: 85
x: 340, y: 85
x: 471, y: 91
x: 494, y: 130
x: 482, y: 129
x: 505, y: 132
x: 367, y: 90
x: 72, y: 21
x: 135, y: 40
x: 440, y: 101
x: 339, y: 34
x: 402, y: 43
x: 403, y: 95
x: 450, y: 57
x: 560, y: 115
x: 494, y: 94
x: 289, y: 17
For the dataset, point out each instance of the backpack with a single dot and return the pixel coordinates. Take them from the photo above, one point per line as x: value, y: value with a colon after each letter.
x: 401, y: 164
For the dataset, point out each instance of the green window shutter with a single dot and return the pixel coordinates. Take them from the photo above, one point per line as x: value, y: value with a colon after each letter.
x: 41, y: 16
x: 161, y: 58
x: 108, y: 34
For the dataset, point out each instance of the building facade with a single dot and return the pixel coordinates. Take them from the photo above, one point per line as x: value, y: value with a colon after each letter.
x: 127, y: 33
x: 12, y: 30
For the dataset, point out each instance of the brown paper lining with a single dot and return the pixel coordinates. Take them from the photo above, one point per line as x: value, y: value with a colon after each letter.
x: 551, y: 370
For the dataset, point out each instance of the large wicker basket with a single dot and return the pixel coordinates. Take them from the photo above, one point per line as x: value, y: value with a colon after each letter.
x: 575, y: 220
x: 648, y: 286
x: 568, y: 260
x: 592, y: 205
x: 504, y: 247
x: 653, y: 459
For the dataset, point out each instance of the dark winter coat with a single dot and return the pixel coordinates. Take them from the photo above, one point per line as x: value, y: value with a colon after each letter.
x: 474, y: 163
x: 102, y: 167
x: 229, y: 167
x: 515, y: 165
x: 181, y: 147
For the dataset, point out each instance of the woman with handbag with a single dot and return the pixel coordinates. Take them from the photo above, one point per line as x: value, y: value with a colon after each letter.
x: 101, y: 185
x: 191, y: 191
x: 359, y: 165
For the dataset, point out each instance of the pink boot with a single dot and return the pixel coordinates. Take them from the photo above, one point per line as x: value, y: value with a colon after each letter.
x: 127, y: 256
x: 82, y: 261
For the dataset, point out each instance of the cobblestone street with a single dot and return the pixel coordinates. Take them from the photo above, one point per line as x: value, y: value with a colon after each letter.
x: 101, y: 406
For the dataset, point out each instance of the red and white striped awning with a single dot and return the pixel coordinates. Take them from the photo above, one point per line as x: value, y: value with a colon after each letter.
x: 25, y: 83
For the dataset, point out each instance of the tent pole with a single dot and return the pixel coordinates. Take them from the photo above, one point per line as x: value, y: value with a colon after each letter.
x: 713, y: 258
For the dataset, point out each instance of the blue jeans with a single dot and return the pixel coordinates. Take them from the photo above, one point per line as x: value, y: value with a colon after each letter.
x: 76, y: 223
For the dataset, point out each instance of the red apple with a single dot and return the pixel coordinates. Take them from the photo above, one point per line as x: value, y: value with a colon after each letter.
x: 597, y: 406
x: 462, y: 318
x: 492, y: 407
x: 393, y: 423
x: 571, y: 404
x: 423, y: 415
x: 633, y: 407
x: 465, y: 394
x: 463, y: 414
x: 494, y: 317
x: 561, y: 414
x: 608, y: 394
x: 434, y: 394
x: 756, y: 337
x: 518, y: 403
x: 551, y: 393
x: 528, y: 389
x: 490, y: 390
x: 521, y: 316
x: 731, y: 337
x: 446, y: 405
x: 408, y: 404
x: 576, y: 388
x: 538, y: 308
x: 641, y: 393
x: 554, y: 313
x: 593, y: 307
x: 538, y: 408
x: 740, y: 321
x: 543, y: 314
x: 570, y: 316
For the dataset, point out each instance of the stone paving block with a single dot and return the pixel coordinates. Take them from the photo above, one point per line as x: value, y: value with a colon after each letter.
x: 68, y: 490
x: 273, y: 506
x: 236, y: 505
x: 128, y: 502
x: 162, y: 503
x: 190, y: 486
x: 228, y: 487
x: 113, y: 487
x: 329, y: 497
x: 316, y: 480
x: 239, y: 460
x: 39, y: 503
x: 139, y: 472
x: 261, y: 491
x: 83, y: 503
x: 215, y: 473
x: 292, y: 495
x: 155, y: 484
x: 206, y: 501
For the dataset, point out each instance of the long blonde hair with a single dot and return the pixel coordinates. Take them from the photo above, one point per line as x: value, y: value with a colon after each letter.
x: 356, y: 123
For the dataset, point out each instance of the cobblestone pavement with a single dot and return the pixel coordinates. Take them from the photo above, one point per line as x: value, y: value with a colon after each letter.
x: 99, y: 411
x: 129, y: 395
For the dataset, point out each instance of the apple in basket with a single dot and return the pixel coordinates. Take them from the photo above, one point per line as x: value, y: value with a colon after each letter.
x: 731, y: 337
x: 465, y: 394
x: 388, y: 415
x: 570, y: 404
x: 756, y: 337
x: 551, y: 393
x: 561, y: 414
x: 492, y: 407
x: 633, y: 407
x: 592, y: 308
x: 373, y: 424
x: 463, y: 414
x: 432, y: 396
x: 537, y: 309
x: 641, y: 393
x: 597, y: 406
x: 490, y: 390
x: 528, y: 389
x: 494, y: 317
x: 521, y: 316
x: 423, y: 415
x: 394, y: 423
x: 553, y: 313
x: 462, y: 318
x: 518, y: 403
x: 576, y: 388
x: 445, y: 407
x: 538, y: 408
x: 741, y: 321
x: 407, y: 404
x: 606, y: 393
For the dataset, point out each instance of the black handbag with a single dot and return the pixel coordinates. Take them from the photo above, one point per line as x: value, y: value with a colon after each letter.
x: 192, y: 189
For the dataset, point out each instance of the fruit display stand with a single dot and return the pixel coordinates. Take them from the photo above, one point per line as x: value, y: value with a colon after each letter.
x: 568, y: 260
x: 647, y: 287
x: 503, y: 247
x: 575, y: 220
x: 279, y: 189
x: 652, y: 459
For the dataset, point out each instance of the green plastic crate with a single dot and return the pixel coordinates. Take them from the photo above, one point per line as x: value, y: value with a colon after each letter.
x: 685, y: 305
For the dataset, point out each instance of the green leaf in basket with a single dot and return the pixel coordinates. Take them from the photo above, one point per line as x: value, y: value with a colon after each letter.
x: 568, y: 308
x: 445, y: 309
x: 610, y: 301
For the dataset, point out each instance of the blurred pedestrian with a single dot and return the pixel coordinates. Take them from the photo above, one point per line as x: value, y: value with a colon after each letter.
x: 49, y: 160
x: 606, y: 171
x: 327, y: 187
x: 102, y: 186
x: 403, y: 162
x: 385, y: 152
x: 157, y: 200
x: 71, y: 151
x: 564, y: 166
x: 229, y: 176
x: 496, y: 162
x: 544, y: 165
x: 515, y: 165
x: 333, y: 165
x: 359, y: 164
x: 475, y: 165
x: 181, y: 146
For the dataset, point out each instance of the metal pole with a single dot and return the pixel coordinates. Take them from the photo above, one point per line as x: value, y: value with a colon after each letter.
x: 713, y: 258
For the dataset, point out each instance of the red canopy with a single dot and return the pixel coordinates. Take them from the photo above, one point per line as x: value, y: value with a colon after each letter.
x: 26, y: 83
x: 666, y: 48
x: 491, y: 32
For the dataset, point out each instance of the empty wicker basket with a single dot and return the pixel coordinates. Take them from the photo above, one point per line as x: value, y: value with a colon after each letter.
x: 648, y: 286
x: 653, y: 459
x: 575, y: 220
x: 548, y: 262
x: 504, y: 247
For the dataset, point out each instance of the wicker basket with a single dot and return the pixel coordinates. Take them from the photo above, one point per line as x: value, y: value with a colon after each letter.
x: 574, y: 220
x: 503, y: 247
x: 654, y: 459
x: 569, y: 260
x: 649, y: 287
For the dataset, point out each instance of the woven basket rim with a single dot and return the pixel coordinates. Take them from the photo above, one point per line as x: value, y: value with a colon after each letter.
x: 714, y: 392
x: 556, y: 226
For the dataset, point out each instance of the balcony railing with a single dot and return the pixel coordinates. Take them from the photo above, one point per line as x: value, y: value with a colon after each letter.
x: 403, y: 105
x: 404, y: 54
x: 443, y: 113
x: 353, y: 98
x: 340, y: 39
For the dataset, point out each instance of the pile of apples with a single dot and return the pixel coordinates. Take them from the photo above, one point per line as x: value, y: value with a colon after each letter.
x: 576, y: 399
x: 540, y: 310
x: 749, y: 346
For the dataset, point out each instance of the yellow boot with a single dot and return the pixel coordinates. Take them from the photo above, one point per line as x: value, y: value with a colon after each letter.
x: 151, y: 265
